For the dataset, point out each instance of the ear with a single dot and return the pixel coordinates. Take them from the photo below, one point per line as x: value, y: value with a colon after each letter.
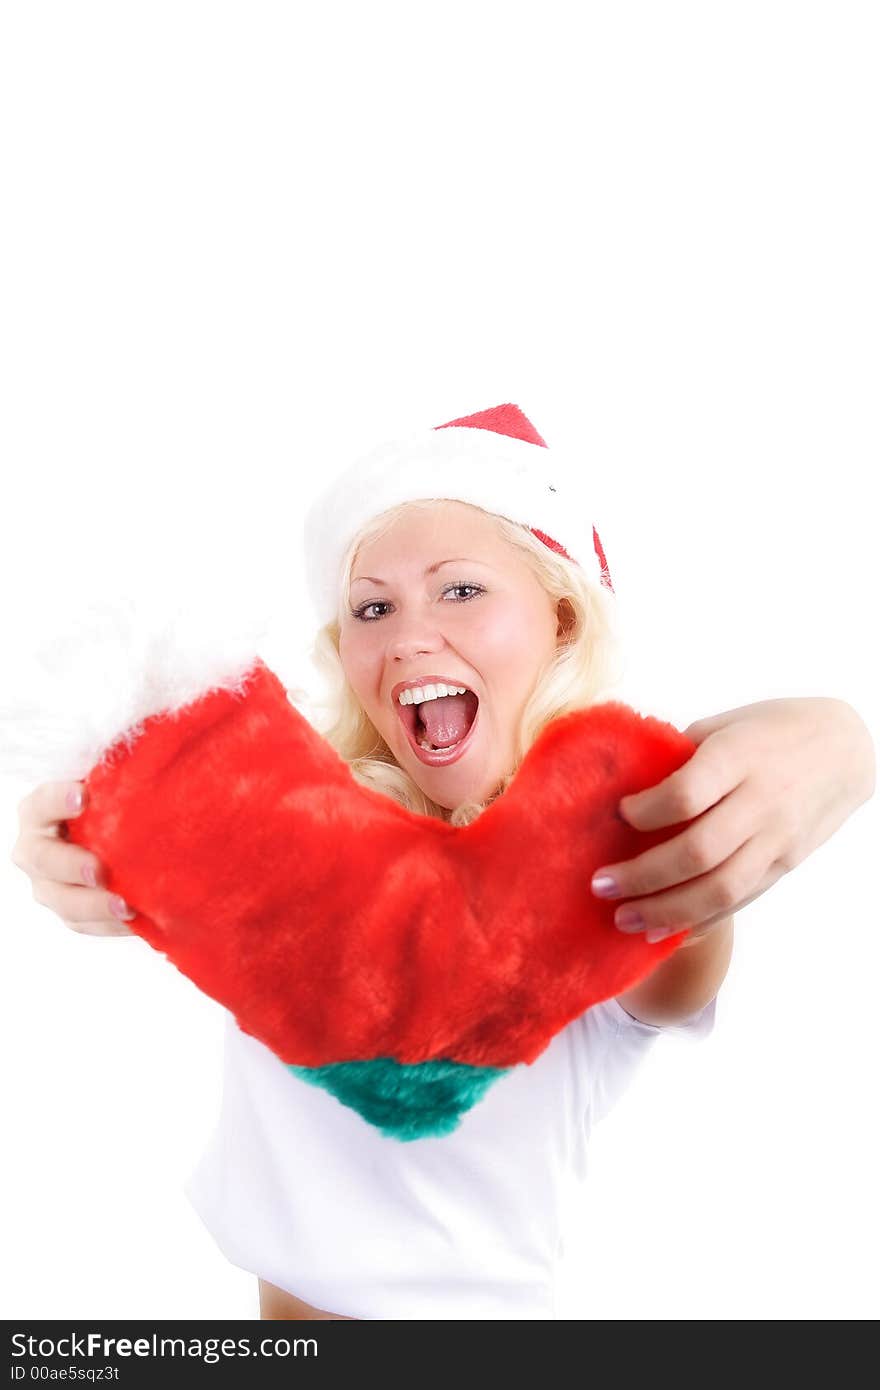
x: 565, y: 616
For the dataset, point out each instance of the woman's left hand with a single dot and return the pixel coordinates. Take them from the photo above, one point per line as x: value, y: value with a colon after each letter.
x: 767, y: 784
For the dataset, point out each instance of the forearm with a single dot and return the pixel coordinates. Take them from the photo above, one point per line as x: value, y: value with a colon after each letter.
x: 685, y: 981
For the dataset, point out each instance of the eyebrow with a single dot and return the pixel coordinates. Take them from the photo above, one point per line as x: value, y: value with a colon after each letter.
x: 432, y: 569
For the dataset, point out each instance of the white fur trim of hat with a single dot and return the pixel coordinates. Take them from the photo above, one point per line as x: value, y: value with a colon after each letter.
x: 494, y: 459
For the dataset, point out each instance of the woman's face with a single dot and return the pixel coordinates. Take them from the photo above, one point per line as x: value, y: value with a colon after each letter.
x: 442, y: 595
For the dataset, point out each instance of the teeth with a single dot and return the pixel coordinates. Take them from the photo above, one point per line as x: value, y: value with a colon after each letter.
x: 416, y: 694
x: 424, y: 743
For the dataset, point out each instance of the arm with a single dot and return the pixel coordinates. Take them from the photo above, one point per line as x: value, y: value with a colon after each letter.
x: 767, y: 784
x: 685, y: 981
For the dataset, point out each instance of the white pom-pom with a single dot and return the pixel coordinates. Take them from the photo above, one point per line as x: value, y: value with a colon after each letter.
x: 90, y: 672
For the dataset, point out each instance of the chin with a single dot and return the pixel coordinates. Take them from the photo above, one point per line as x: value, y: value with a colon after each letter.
x: 446, y: 792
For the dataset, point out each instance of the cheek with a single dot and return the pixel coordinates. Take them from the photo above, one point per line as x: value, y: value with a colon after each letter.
x: 509, y: 645
x: 357, y: 662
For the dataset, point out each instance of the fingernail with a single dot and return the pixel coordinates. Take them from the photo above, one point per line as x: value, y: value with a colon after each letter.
x: 119, y: 907
x: 628, y: 919
x: 605, y: 886
x: 75, y: 800
x: 657, y: 933
x: 88, y: 874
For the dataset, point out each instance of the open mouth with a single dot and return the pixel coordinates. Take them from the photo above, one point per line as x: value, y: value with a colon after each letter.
x: 440, y: 734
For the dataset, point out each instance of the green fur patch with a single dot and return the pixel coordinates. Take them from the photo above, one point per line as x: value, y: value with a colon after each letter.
x: 405, y: 1100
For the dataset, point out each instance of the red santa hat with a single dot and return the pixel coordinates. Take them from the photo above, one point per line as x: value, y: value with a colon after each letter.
x: 494, y: 459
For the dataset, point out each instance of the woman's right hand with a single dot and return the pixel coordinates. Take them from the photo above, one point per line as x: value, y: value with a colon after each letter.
x: 64, y: 877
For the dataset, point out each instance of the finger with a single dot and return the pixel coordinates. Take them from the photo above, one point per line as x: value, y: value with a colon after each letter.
x: 47, y: 805
x: 40, y: 856
x: 101, y: 929
x: 74, y: 904
x: 706, y: 843
x: 739, y: 880
x: 702, y: 728
x: 686, y: 793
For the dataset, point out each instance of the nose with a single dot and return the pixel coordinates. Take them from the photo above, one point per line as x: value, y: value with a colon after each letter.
x: 413, y: 636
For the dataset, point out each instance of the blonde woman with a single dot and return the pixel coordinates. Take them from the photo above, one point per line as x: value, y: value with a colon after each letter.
x: 465, y: 604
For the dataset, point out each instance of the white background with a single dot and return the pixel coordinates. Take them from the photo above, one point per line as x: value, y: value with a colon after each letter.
x: 241, y: 243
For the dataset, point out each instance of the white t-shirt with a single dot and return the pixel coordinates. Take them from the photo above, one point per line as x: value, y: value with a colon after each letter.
x: 300, y: 1190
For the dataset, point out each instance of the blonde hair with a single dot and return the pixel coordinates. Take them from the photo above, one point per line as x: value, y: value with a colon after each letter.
x: 586, y: 668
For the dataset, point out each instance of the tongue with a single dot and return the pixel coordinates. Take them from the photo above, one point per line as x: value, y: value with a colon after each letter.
x: 446, y: 719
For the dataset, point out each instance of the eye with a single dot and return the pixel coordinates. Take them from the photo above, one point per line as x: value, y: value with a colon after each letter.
x: 362, y: 611
x: 478, y: 588
x: 380, y: 603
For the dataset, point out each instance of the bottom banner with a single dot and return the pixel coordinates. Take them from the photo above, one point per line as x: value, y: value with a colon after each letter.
x: 137, y: 1353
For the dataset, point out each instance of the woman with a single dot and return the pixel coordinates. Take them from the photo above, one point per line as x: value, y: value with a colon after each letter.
x: 465, y: 606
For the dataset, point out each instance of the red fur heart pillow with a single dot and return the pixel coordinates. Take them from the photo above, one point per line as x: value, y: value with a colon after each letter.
x: 336, y: 925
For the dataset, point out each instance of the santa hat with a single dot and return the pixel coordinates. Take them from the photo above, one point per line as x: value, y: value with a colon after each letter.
x: 494, y: 459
